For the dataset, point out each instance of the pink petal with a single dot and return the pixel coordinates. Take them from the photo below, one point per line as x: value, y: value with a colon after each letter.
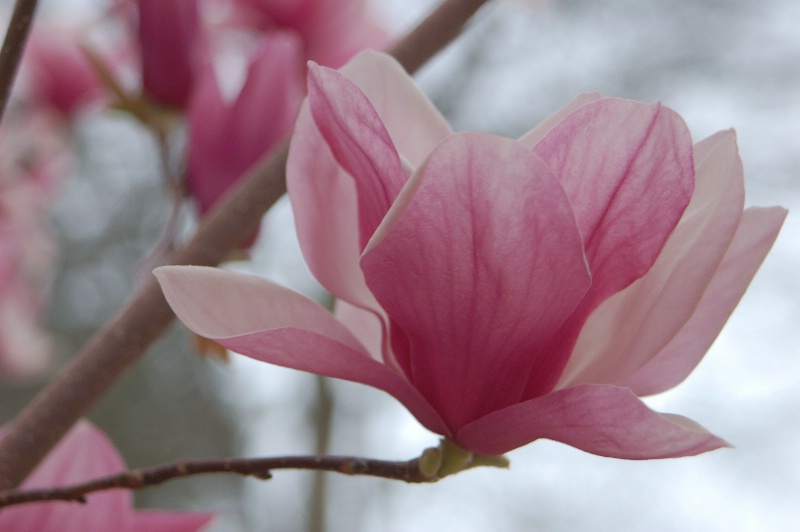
x: 266, y: 109
x: 364, y: 324
x: 628, y: 172
x: 155, y: 521
x: 334, y: 32
x: 324, y: 196
x: 479, y: 262
x: 265, y: 321
x: 325, y: 206
x: 632, y: 326
x: 60, y: 74
x: 84, y: 453
x: 599, y: 419
x: 226, y: 139
x: 359, y: 141
x: 756, y: 233
x: 413, y: 122
x: 532, y: 137
x: 169, y: 38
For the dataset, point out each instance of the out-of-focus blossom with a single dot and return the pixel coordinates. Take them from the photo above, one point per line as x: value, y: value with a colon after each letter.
x: 332, y: 31
x: 33, y: 160
x: 86, y: 453
x: 226, y: 138
x: 27, y: 255
x: 503, y: 290
x: 59, y: 76
x: 172, y: 50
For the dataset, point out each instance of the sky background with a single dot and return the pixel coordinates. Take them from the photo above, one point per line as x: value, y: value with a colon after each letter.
x: 720, y: 64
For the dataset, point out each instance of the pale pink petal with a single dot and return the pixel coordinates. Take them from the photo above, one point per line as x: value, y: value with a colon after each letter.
x: 756, y: 233
x: 536, y: 134
x: 413, y: 122
x: 632, y: 326
x: 265, y: 321
x: 159, y: 521
x: 599, y: 419
x: 628, y: 171
x: 364, y: 324
x: 216, y: 303
x: 84, y: 453
x: 325, y: 207
x: 482, y: 264
x: 323, y: 196
x: 359, y: 141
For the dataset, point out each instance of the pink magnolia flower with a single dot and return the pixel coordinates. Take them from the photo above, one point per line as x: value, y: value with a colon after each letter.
x: 332, y: 31
x: 171, y: 49
x: 59, y: 76
x: 226, y: 138
x: 503, y: 290
x: 86, y: 453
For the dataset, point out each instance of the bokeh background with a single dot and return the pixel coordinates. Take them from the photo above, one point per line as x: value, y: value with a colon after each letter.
x: 719, y: 63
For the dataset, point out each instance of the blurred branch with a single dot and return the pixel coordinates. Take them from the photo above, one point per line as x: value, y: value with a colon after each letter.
x: 125, y: 338
x: 13, y: 46
x: 255, y: 467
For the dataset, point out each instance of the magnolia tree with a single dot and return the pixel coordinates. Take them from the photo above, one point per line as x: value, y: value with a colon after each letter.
x: 502, y: 290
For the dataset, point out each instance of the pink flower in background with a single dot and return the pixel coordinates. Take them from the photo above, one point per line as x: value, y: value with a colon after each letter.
x: 58, y: 73
x: 171, y: 49
x: 86, y: 453
x: 27, y: 258
x: 332, y: 31
x: 226, y: 138
x: 503, y: 290
x: 33, y: 161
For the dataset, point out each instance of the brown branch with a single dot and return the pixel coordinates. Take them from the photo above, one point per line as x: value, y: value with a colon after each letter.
x: 255, y: 467
x: 13, y: 46
x: 434, y: 33
x: 126, y: 337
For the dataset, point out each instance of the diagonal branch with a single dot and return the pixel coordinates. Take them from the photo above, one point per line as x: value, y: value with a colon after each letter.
x: 125, y: 338
x: 13, y: 46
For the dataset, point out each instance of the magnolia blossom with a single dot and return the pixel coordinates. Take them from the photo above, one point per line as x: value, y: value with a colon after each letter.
x: 332, y: 31
x: 226, y: 138
x: 503, y: 290
x: 58, y: 74
x: 171, y: 49
x: 85, y: 453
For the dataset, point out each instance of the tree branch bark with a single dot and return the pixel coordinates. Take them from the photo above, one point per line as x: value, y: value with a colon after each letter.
x: 13, y: 46
x: 255, y: 467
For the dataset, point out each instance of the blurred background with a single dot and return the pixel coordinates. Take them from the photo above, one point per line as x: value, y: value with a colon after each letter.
x: 719, y: 63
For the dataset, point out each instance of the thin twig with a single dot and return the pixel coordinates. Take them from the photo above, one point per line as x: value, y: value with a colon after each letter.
x: 125, y: 338
x: 255, y: 467
x: 13, y: 46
